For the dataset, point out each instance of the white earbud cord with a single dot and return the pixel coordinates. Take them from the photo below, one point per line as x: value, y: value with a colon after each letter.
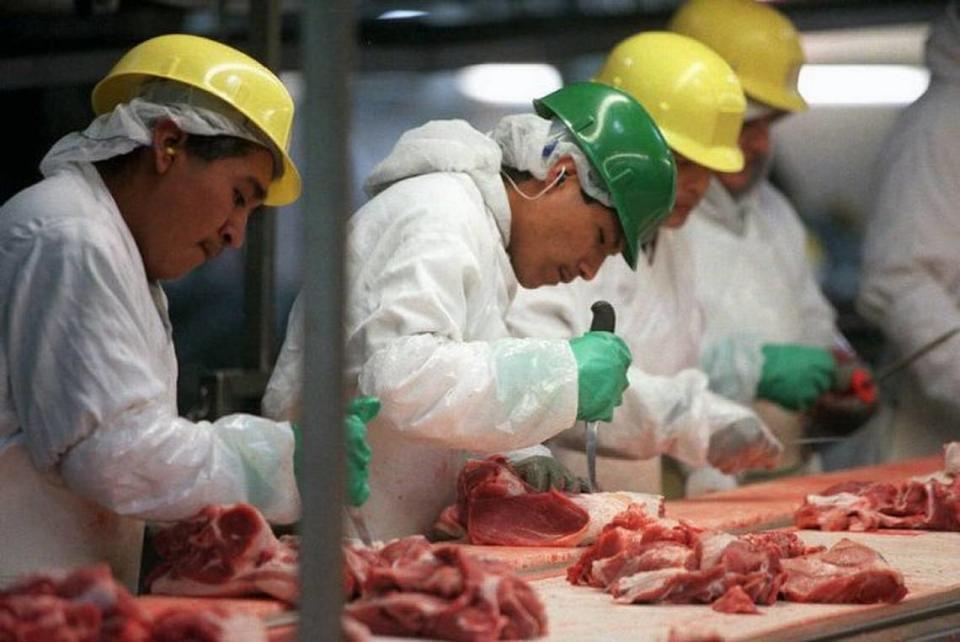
x: 555, y: 182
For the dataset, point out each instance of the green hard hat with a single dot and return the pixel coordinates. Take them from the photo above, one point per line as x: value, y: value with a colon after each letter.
x: 626, y: 150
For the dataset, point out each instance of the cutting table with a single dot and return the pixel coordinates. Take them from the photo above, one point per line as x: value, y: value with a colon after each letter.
x: 930, y: 563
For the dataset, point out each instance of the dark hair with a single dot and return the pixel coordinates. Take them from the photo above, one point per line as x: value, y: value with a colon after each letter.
x: 206, y: 148
x: 211, y: 148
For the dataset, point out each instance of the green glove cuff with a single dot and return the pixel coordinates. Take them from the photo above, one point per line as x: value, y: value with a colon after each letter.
x: 602, y: 362
x: 794, y: 376
x: 297, y: 450
x: 359, y: 411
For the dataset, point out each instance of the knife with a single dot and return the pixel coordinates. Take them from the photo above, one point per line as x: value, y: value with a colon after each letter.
x: 359, y: 524
x: 902, y: 363
x: 604, y: 319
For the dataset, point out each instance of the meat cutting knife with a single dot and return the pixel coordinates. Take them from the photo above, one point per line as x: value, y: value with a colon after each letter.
x: 604, y: 319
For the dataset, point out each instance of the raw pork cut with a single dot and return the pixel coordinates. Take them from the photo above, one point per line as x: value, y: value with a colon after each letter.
x: 88, y: 605
x: 408, y: 589
x: 495, y: 506
x: 861, y: 506
x: 225, y: 551
x: 644, y: 559
x: 929, y: 503
x: 847, y: 573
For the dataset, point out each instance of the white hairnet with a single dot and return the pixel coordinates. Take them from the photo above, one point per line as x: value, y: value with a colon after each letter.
x: 130, y: 125
x: 533, y: 144
x: 756, y: 111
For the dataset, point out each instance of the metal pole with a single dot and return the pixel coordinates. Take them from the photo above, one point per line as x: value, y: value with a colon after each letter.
x: 327, y: 45
x: 260, y: 268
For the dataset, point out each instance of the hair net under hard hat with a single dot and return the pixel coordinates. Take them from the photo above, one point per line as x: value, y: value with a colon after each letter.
x: 533, y: 144
x: 130, y: 125
x: 756, y: 111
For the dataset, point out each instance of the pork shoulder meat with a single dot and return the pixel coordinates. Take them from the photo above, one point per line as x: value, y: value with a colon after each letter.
x: 848, y: 573
x: 862, y: 506
x: 496, y: 507
x: 88, y: 605
x: 408, y: 589
x: 931, y: 503
x: 225, y: 551
x: 644, y: 559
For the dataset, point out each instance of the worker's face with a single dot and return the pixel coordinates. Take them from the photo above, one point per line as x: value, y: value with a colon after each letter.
x: 200, y: 207
x: 756, y: 145
x: 692, y: 183
x: 561, y: 235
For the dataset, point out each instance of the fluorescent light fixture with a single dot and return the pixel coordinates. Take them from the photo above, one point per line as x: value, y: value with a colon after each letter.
x: 401, y: 14
x: 508, y: 84
x: 862, y: 84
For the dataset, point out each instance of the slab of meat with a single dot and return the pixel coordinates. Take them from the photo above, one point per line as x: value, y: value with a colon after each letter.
x: 88, y: 605
x: 848, y: 573
x: 861, y: 506
x: 735, y: 600
x: 929, y: 503
x: 225, y: 551
x: 644, y: 559
x: 407, y: 589
x: 495, y: 506
x: 633, y: 530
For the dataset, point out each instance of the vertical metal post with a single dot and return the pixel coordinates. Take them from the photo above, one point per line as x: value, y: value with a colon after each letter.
x: 260, y: 270
x: 327, y: 43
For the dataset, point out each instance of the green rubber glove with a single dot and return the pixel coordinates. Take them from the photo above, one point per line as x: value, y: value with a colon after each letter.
x: 360, y: 412
x: 544, y: 473
x: 297, y: 451
x: 602, y: 362
x: 794, y: 376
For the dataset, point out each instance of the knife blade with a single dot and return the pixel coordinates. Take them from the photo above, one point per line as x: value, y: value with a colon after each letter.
x: 903, y: 362
x: 359, y: 524
x: 604, y: 319
x: 285, y: 618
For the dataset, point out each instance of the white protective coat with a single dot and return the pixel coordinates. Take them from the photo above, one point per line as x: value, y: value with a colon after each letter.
x: 429, y: 283
x: 754, y: 284
x: 911, y: 268
x: 667, y: 408
x: 88, y: 394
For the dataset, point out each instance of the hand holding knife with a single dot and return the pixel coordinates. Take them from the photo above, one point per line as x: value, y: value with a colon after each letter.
x: 604, y: 319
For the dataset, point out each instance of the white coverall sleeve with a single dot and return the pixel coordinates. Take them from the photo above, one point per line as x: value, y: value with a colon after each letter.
x: 434, y: 383
x: 911, y: 276
x: 93, y: 395
x: 283, y: 398
x: 673, y: 415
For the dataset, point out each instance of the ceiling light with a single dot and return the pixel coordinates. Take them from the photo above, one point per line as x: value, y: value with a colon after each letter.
x: 508, y: 84
x: 862, y: 84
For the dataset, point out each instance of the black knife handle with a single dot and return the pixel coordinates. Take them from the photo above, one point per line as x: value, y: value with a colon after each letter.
x: 604, y: 318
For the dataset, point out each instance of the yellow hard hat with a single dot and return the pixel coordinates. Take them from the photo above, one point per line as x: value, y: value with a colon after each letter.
x: 232, y: 76
x: 692, y: 94
x: 759, y: 42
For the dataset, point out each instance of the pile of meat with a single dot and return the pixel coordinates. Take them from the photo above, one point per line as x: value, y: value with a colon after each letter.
x: 407, y: 588
x: 225, y: 551
x: 88, y: 605
x: 929, y: 504
x: 496, y: 507
x: 639, y: 558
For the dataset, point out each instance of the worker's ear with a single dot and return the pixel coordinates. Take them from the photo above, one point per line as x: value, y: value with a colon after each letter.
x: 560, y: 171
x: 167, y: 143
